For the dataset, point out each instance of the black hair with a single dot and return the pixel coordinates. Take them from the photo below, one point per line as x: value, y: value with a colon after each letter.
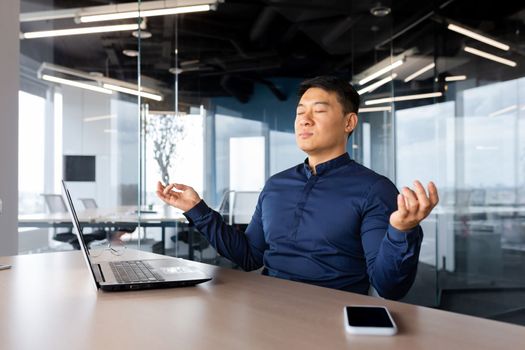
x: 346, y: 94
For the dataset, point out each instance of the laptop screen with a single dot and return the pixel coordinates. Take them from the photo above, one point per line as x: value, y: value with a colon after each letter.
x: 80, y: 235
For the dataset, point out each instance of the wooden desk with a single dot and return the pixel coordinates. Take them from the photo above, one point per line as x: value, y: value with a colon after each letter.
x: 48, y: 301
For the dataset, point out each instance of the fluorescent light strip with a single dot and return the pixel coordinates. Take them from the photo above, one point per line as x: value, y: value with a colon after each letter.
x: 403, y: 98
x: 490, y: 56
x: 133, y: 92
x: 503, y: 111
x: 455, y: 77
x: 419, y: 72
x: 478, y: 37
x: 97, y: 118
x: 381, y: 72
x: 375, y: 109
x: 78, y: 31
x: 76, y: 84
x: 146, y: 13
x: 377, y: 84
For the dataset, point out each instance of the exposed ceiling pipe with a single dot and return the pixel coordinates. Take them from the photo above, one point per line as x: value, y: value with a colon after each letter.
x: 262, y: 23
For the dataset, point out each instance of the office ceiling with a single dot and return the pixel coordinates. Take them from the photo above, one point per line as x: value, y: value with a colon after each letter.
x: 247, y: 42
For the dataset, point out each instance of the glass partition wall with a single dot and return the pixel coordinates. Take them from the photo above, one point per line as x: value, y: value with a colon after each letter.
x: 464, y: 134
x: 442, y: 92
x: 78, y: 122
x: 423, y: 81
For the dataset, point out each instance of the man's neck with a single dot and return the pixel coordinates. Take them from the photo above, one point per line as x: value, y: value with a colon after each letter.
x: 316, y: 159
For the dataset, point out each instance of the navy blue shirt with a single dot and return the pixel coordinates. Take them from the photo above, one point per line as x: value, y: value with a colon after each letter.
x: 329, y: 229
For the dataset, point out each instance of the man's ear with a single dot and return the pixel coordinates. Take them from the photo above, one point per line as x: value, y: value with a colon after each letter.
x: 351, y: 122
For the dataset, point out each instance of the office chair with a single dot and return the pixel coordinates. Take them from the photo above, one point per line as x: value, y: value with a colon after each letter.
x: 237, y: 208
x: 243, y: 207
x: 199, y: 243
x: 88, y: 203
x: 55, y: 204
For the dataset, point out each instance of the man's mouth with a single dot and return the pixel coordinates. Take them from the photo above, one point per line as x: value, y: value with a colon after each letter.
x: 305, y: 135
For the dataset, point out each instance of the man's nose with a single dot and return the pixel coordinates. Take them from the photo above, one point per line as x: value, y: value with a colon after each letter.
x: 306, y: 119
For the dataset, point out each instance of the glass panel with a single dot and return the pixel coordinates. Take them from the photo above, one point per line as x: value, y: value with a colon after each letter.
x: 76, y: 127
x: 468, y: 141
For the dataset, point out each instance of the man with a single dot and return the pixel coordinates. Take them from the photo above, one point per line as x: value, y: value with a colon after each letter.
x: 328, y: 221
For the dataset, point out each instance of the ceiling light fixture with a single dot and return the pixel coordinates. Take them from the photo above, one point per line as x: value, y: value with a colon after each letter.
x: 490, y: 56
x: 419, y: 72
x: 76, y: 84
x: 377, y: 84
x: 375, y: 109
x: 144, y: 8
x: 133, y: 92
x: 381, y: 72
x: 141, y: 34
x: 503, y: 111
x: 403, y: 98
x: 130, y: 53
x: 144, y: 14
x: 97, y: 118
x: 175, y: 70
x: 78, y: 31
x: 478, y: 37
x: 455, y: 77
x: 112, y: 84
x: 380, y: 10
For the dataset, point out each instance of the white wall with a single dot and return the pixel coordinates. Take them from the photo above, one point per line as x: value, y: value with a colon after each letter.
x: 113, y: 140
x: 9, y: 83
x: 81, y: 137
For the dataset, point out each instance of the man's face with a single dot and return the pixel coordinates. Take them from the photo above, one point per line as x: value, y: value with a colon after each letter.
x: 320, y: 124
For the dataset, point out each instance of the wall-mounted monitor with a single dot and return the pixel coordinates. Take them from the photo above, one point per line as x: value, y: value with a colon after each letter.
x: 79, y: 168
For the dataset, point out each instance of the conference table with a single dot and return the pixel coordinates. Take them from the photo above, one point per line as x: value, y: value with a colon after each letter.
x: 49, y: 301
x: 162, y: 217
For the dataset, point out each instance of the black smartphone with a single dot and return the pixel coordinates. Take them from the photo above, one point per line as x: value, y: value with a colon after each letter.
x: 371, y: 320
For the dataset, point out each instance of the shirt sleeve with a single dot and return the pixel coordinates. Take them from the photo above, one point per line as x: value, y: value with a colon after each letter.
x: 246, y: 249
x: 391, y: 255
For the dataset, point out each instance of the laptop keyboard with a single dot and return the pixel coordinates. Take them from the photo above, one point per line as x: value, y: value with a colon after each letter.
x: 134, y: 271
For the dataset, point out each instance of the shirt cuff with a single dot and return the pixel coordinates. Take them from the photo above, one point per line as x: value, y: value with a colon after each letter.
x: 397, y: 236
x: 198, y: 211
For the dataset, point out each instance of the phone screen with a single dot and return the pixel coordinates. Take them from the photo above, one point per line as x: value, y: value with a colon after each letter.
x: 368, y: 317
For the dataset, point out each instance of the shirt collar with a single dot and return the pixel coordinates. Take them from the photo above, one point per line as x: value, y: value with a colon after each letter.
x: 328, y: 165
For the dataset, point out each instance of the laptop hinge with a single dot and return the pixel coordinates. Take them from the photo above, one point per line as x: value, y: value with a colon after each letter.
x: 99, y: 276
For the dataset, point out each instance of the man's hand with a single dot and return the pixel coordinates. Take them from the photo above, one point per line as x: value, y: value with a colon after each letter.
x: 413, y: 206
x: 184, y: 199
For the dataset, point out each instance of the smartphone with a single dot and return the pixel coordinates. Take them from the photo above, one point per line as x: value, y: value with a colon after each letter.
x: 371, y: 320
x: 4, y: 267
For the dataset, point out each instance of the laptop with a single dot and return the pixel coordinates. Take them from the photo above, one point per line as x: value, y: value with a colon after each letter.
x: 122, y: 275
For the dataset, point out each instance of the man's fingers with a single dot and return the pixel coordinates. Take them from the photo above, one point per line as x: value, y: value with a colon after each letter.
x: 401, y: 206
x: 159, y: 186
x: 162, y: 196
x: 411, y: 199
x: 424, y: 202
x: 433, y: 194
x: 181, y: 187
x: 168, y: 188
